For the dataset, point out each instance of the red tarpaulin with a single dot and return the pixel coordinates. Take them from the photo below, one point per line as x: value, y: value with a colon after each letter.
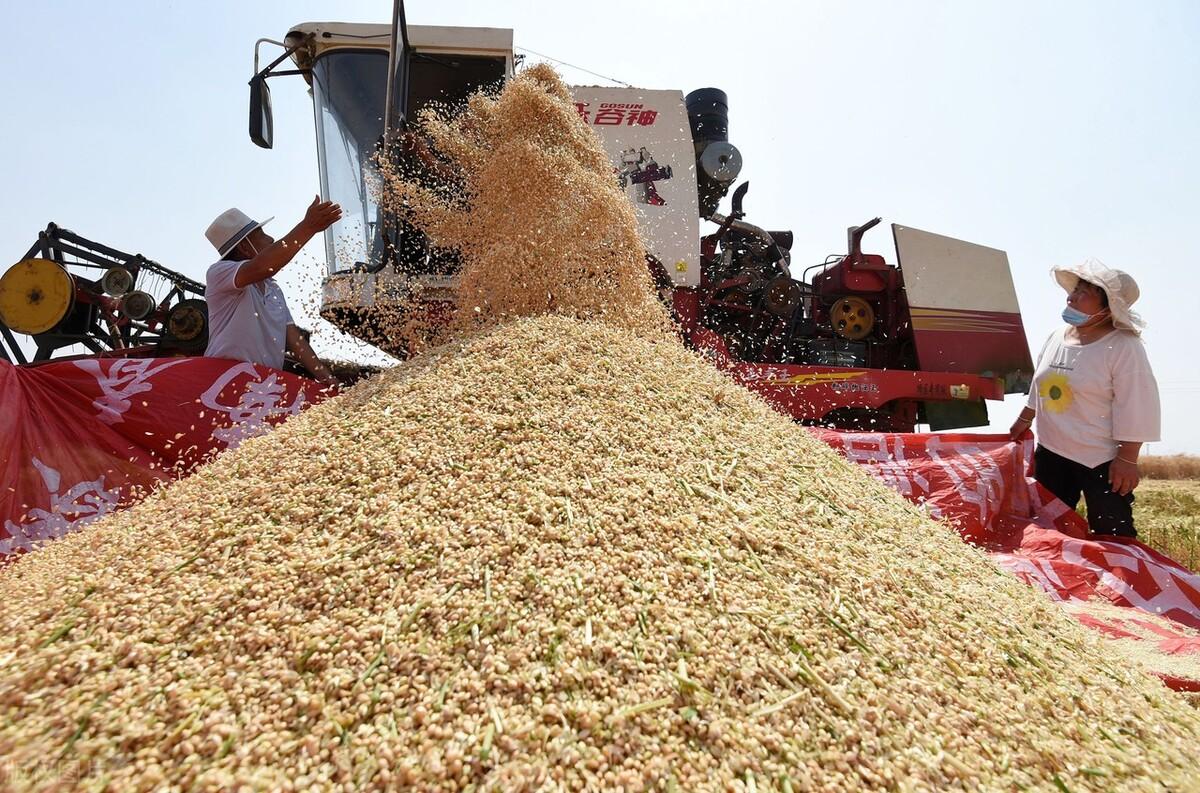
x: 978, y: 484
x: 81, y: 438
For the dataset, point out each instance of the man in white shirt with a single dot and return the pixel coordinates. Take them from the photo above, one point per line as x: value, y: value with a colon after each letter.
x: 248, y: 316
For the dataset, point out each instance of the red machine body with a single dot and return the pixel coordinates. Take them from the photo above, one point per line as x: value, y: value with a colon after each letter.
x: 887, y: 399
x: 836, y: 343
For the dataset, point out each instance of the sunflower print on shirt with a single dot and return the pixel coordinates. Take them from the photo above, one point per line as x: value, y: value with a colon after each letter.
x: 1055, y: 391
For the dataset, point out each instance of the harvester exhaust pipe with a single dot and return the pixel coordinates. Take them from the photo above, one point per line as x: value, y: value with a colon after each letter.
x: 759, y: 238
x: 854, y: 236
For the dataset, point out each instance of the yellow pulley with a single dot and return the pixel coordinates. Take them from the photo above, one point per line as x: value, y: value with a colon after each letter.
x: 35, y: 295
x: 852, y: 318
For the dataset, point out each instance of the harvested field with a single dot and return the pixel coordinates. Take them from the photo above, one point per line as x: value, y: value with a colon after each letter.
x: 556, y: 555
x: 1167, y: 516
x: 1170, y: 466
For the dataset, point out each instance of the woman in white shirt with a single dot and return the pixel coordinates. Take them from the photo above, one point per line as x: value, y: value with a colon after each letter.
x: 1094, y: 397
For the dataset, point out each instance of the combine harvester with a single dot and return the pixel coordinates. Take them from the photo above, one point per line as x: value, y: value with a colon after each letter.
x: 852, y: 342
x: 860, y: 349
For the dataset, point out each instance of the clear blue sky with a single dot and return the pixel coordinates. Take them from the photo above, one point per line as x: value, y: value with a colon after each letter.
x: 1055, y: 131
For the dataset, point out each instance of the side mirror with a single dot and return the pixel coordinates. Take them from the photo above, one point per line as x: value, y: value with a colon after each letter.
x: 262, y: 125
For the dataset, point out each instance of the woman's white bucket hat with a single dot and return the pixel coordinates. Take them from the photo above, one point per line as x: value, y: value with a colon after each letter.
x: 1120, y: 287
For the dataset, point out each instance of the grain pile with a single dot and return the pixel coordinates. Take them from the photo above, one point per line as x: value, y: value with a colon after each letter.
x: 526, y: 194
x: 1138, y: 637
x: 555, y: 555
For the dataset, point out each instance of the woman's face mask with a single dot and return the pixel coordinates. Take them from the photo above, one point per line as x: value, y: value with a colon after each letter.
x: 1073, y: 316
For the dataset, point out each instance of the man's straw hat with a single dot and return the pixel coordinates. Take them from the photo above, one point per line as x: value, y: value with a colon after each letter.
x: 231, y: 227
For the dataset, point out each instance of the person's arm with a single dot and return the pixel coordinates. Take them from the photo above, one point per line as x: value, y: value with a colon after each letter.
x: 1023, y: 423
x: 308, y: 359
x: 1136, y: 413
x: 320, y: 216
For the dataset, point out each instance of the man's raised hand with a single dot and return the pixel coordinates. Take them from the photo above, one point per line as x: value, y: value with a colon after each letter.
x: 321, y: 214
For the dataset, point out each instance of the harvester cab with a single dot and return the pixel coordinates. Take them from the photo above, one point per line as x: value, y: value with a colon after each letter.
x: 377, y: 263
x: 852, y: 341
